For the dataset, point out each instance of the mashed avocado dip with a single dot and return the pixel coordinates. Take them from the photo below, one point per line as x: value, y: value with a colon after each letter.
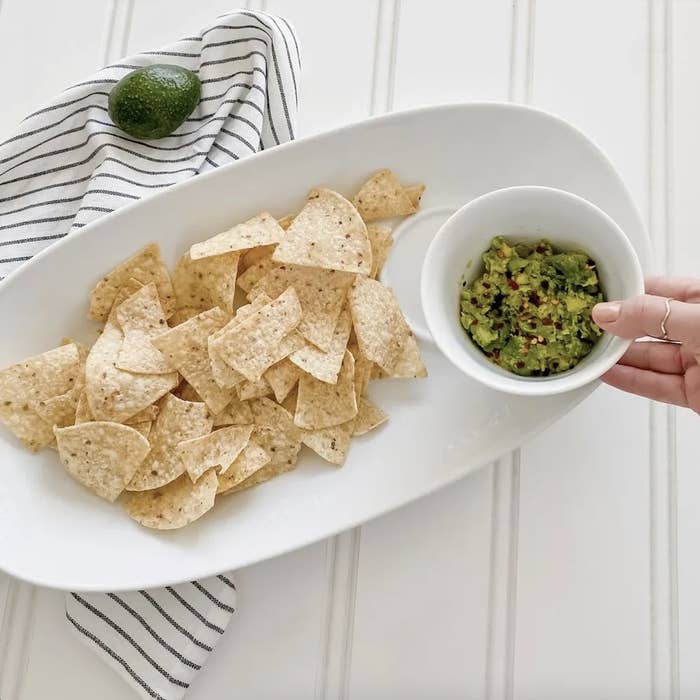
x: 530, y: 310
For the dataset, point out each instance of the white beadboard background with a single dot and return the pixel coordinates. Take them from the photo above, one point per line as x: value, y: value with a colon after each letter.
x: 570, y: 569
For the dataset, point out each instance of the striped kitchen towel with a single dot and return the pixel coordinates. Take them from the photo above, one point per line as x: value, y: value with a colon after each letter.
x: 67, y: 165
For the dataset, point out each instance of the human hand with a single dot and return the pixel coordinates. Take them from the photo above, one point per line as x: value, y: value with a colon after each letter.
x: 668, y: 371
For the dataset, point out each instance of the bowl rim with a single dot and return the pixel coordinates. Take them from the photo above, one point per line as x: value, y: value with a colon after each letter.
x: 490, y: 375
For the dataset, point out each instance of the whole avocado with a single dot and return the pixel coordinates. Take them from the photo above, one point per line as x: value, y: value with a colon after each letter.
x: 151, y: 102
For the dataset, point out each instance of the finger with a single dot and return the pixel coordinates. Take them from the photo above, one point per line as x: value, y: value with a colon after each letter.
x: 669, y: 388
x: 658, y: 357
x: 642, y: 316
x: 681, y: 288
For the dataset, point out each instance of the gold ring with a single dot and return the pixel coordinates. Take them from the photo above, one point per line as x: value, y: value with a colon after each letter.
x: 664, y: 331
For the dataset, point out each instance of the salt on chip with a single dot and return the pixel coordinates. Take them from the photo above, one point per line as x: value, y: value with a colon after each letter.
x: 332, y: 444
x: 112, y: 393
x: 142, y: 318
x: 251, y: 459
x: 145, y: 267
x: 282, y: 378
x: 328, y: 233
x: 368, y: 417
x: 381, y: 239
x: 415, y: 193
x: 409, y: 365
x: 383, y: 197
x: 31, y: 381
x: 255, y: 272
x: 322, y: 405
x: 321, y: 296
x: 203, y: 284
x: 325, y: 366
x: 262, y: 229
x: 253, y: 390
x: 101, y: 455
x: 218, y: 449
x: 380, y: 327
x: 254, y: 344
x: 186, y: 347
x: 177, y: 421
x: 236, y: 413
x: 174, y: 505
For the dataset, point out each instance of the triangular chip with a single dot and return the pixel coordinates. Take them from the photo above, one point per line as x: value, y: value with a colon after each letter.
x: 321, y: 405
x: 327, y: 233
x: 321, y: 295
x: 217, y: 449
x: 381, y: 239
x: 409, y: 365
x: 175, y: 505
x: 145, y: 267
x: 177, y: 421
x: 253, y: 390
x: 101, y: 455
x: 31, y: 381
x: 203, y: 284
x: 380, y: 327
x: 276, y: 433
x: 282, y: 378
x: 368, y: 417
x: 326, y: 365
x: 254, y: 344
x: 383, y: 197
x: 332, y: 444
x: 186, y: 347
x: 236, y: 413
x: 247, y: 463
x: 255, y: 272
x: 262, y: 229
x: 112, y: 393
x: 415, y: 193
x: 142, y: 318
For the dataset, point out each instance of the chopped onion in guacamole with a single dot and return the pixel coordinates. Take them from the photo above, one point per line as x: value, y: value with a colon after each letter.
x: 530, y: 310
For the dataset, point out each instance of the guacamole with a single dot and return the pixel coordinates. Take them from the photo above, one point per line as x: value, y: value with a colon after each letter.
x: 530, y: 310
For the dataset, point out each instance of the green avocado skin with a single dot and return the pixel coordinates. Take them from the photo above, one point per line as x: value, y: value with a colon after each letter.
x: 151, y: 102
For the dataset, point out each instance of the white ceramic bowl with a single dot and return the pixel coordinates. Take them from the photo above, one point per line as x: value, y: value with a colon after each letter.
x: 521, y: 214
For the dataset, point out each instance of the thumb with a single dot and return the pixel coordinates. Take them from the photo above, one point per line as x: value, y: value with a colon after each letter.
x: 642, y: 316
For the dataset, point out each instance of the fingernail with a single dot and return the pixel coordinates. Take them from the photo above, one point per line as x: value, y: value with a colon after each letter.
x: 607, y: 312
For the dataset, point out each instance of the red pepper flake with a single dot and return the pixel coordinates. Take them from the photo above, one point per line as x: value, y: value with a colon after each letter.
x: 513, y: 284
x: 475, y: 322
x: 547, y: 322
x: 520, y: 364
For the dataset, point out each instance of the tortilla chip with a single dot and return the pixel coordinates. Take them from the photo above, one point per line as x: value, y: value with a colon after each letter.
x: 31, y: 381
x: 183, y: 314
x: 217, y: 449
x: 415, y: 194
x: 203, y: 284
x: 282, y: 378
x: 129, y: 288
x: 186, y: 348
x: 58, y: 410
x: 363, y: 370
x: 145, y: 267
x: 409, y: 365
x: 321, y: 295
x: 383, y: 197
x: 150, y: 413
x: 325, y: 366
x: 254, y: 255
x: 177, y: 421
x: 175, y: 505
x: 290, y: 402
x: 253, y: 390
x: 327, y: 233
x: 236, y: 413
x: 102, y: 455
x: 144, y: 427
x: 256, y: 271
x: 254, y: 344
x: 141, y: 318
x: 332, y: 444
x: 286, y: 221
x: 368, y: 417
x: 380, y: 327
x: 276, y: 433
x: 381, y: 239
x: 252, y: 458
x: 262, y: 229
x: 82, y: 409
x: 112, y: 393
x: 322, y: 405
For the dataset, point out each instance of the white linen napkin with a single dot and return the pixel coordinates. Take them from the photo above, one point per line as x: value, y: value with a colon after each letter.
x: 67, y: 165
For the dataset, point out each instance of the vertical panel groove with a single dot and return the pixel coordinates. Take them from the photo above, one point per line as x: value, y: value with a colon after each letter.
x: 664, y: 649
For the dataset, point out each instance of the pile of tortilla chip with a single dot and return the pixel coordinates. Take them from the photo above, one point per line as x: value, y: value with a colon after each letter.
x: 188, y: 395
